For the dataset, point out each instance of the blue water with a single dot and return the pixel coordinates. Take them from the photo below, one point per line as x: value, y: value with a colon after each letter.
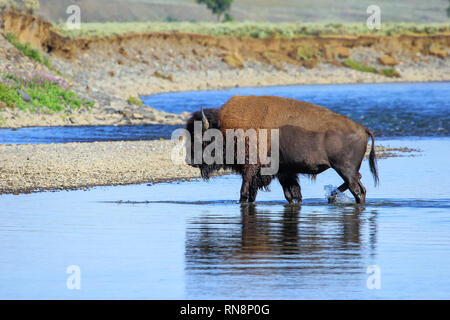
x: 35, y: 135
x: 388, y: 109
x: 191, y: 240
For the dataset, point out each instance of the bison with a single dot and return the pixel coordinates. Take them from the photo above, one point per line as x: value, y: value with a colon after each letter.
x: 311, y: 139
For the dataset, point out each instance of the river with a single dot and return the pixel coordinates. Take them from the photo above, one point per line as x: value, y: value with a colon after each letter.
x: 191, y: 240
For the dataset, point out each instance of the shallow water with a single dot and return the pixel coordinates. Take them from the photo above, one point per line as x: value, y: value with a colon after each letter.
x: 35, y: 135
x: 191, y: 240
x: 389, y: 110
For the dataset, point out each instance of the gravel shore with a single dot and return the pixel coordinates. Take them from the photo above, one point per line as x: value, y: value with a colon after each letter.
x: 27, y: 168
x: 31, y: 168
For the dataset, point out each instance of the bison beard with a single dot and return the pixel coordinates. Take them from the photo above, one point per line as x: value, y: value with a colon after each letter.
x: 312, y: 139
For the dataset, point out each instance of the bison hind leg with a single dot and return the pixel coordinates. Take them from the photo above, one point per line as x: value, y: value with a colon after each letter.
x: 352, y: 181
x: 358, y: 190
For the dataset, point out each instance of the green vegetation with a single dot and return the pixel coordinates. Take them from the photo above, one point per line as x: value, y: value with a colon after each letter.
x: 10, y: 97
x: 388, y: 72
x: 249, y: 29
x: 158, y: 74
x: 39, y: 92
x: 217, y: 7
x: 28, y: 51
x: 355, y: 65
x: 228, y: 18
x: 304, y: 53
x: 134, y: 100
x: 28, y: 6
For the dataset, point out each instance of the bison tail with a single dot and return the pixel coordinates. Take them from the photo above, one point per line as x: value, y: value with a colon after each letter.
x: 373, y: 159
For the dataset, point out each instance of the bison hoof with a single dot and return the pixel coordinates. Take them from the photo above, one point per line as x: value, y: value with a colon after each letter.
x: 332, y: 199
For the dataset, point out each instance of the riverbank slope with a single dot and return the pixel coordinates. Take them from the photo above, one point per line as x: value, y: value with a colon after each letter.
x: 112, y: 71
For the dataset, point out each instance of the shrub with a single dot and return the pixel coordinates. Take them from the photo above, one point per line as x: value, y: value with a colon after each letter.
x: 26, y: 49
x: 30, y: 52
x: 10, y: 96
x: 355, y: 65
x: 391, y: 73
x: 134, y: 100
x: 47, y: 94
x: 388, y: 72
x: 28, y: 6
x: 304, y: 53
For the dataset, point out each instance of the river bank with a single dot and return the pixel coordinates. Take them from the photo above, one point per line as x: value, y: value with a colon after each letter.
x: 113, y: 71
x: 40, y: 167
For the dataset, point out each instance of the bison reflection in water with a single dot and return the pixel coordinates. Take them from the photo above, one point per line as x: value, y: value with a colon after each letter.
x: 254, y: 241
x: 312, y: 139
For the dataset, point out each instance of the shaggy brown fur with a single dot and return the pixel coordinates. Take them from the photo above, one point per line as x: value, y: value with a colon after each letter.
x: 312, y: 139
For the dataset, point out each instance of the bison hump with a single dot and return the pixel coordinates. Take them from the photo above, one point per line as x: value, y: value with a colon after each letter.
x: 270, y: 112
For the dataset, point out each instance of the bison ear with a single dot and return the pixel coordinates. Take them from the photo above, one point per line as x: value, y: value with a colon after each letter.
x: 205, y: 121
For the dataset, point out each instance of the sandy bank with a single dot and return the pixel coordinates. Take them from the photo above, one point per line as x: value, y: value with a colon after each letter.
x: 29, y: 168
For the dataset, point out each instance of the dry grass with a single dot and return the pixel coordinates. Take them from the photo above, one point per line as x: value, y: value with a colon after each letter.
x: 249, y: 29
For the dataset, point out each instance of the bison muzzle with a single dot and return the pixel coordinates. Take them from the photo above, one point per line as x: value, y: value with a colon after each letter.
x: 311, y: 139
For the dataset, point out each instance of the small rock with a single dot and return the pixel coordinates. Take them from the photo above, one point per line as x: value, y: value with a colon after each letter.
x: 138, y: 116
x: 387, y: 61
x: 24, y: 95
x: 234, y: 60
x: 126, y: 114
x: 436, y: 50
x: 342, y: 52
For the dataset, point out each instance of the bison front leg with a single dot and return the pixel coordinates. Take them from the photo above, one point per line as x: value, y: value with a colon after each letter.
x: 248, y: 188
x: 291, y: 187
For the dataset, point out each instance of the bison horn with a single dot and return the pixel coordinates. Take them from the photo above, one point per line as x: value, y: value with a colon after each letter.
x: 205, y: 121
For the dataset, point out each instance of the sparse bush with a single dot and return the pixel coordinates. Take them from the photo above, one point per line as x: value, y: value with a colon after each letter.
x: 158, y: 74
x: 388, y: 72
x: 134, y: 100
x: 46, y: 93
x: 25, y: 48
x: 31, y: 6
x: 356, y: 66
x: 304, y: 53
x: 10, y: 97
x: 30, y: 52
x: 391, y: 73
x: 171, y: 19
x: 217, y: 7
x: 28, y: 6
x: 228, y: 18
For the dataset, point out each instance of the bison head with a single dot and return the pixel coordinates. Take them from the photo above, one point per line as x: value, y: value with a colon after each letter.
x: 197, y: 124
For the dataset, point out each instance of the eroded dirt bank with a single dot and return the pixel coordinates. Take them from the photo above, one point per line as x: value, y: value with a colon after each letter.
x: 109, y: 71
